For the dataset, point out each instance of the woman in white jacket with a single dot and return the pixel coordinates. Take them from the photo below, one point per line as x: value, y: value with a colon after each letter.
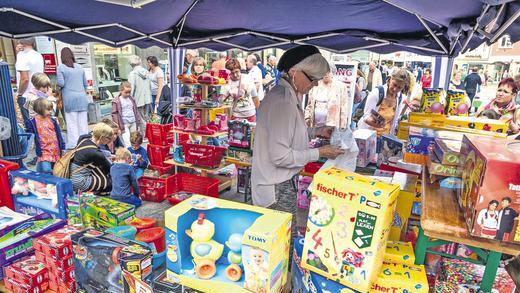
x: 384, y: 105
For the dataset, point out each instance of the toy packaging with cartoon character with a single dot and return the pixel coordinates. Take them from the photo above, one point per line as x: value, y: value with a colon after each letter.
x: 100, y: 258
x: 303, y: 196
x: 216, y: 245
x: 431, y: 101
x: 390, y: 150
x: 348, y: 225
x: 448, y: 151
x: 490, y: 196
x: 27, y: 275
x: 456, y: 103
x: 435, y: 167
x: 366, y: 140
x: 34, y: 193
x: 101, y: 213
x: 241, y: 134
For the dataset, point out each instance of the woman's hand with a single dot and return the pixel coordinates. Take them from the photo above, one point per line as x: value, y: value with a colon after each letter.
x: 323, y: 131
x: 330, y: 152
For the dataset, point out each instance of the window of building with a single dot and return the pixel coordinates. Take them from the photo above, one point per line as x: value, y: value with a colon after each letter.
x: 505, y: 42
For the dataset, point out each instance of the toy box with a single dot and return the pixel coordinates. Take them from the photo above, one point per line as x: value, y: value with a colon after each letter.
x: 29, y: 272
x: 303, y: 196
x: 404, y: 126
x: 240, y: 134
x: 99, y: 259
x: 17, y: 287
x: 448, y: 151
x: 431, y: 101
x: 9, y: 217
x: 242, y: 155
x: 348, y: 224
x: 34, y: 193
x: 400, y: 252
x: 477, y: 123
x: 405, y: 199
x: 397, y: 277
x: 435, y: 167
x: 102, y: 212
x: 490, y: 195
x: 366, y: 140
x: 217, y: 245
x: 456, y: 103
x: 16, y: 240
x: 390, y: 150
x: 56, y: 244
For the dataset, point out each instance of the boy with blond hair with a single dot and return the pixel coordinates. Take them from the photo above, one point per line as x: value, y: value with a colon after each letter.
x: 124, y: 181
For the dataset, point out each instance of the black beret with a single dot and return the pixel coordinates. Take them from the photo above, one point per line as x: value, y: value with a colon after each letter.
x: 293, y: 56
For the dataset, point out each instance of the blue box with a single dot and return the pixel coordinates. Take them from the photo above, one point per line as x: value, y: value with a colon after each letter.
x: 35, y: 192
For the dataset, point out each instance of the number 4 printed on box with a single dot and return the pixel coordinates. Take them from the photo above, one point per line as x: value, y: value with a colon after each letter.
x: 317, y: 241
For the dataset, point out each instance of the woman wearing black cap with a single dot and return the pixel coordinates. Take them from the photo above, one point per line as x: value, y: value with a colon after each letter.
x: 281, y: 136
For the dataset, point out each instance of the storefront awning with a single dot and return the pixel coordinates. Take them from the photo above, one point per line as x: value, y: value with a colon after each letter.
x: 441, y: 27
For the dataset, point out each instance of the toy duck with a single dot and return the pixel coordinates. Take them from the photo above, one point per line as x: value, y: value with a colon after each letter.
x: 203, y: 249
x: 234, y: 271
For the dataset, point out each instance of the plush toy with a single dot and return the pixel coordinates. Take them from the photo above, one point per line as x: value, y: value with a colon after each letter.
x: 20, y: 186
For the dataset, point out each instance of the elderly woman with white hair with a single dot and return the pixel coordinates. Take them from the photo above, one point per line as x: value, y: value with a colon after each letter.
x: 141, y: 89
x: 281, y: 147
x: 329, y: 103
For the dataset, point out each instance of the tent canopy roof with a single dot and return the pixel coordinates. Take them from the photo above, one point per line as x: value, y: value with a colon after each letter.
x: 441, y: 27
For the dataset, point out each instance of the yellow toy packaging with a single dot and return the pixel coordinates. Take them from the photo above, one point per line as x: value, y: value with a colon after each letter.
x: 456, y: 103
x: 348, y: 225
x: 431, y: 101
x: 398, y: 277
x: 403, y: 208
x: 400, y: 252
x: 477, y: 123
x: 216, y: 245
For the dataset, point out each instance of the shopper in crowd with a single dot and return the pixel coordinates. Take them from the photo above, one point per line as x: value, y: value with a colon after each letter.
x: 255, y: 74
x: 487, y: 219
x: 242, y: 92
x: 188, y: 60
x: 47, y: 136
x: 41, y: 88
x: 260, y: 64
x: 361, y: 80
x: 482, y: 77
x: 271, y: 67
x: 281, y: 145
x: 419, y: 74
x: 426, y: 80
x: 156, y: 76
x: 164, y: 105
x: 72, y: 81
x: 220, y: 64
x: 198, y: 66
x: 141, y: 89
x: 329, y: 103
x: 90, y: 169
x: 471, y: 82
x: 384, y: 105
x: 456, y: 82
x: 124, y: 111
x: 116, y: 142
x: 28, y: 62
x: 504, y: 104
x: 243, y: 65
x: 124, y: 181
x: 374, y: 77
x: 139, y: 154
x: 517, y: 81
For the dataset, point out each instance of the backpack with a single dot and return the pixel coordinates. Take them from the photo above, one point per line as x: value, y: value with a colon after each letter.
x: 62, y: 166
x: 360, y: 110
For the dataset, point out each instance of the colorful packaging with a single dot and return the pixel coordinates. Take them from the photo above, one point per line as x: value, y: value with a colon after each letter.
x: 401, y: 278
x: 390, y: 150
x: 242, y: 155
x: 435, y: 167
x: 456, y: 103
x: 17, y: 287
x: 100, y: 258
x: 303, y: 196
x: 56, y: 244
x: 349, y: 222
x: 490, y: 195
x: 399, y: 252
x: 448, y: 151
x: 235, y: 247
x: 29, y: 272
x: 102, y: 212
x: 483, y: 124
x: 405, y: 199
x: 431, y: 101
x: 56, y: 265
x: 240, y: 134
x: 366, y: 140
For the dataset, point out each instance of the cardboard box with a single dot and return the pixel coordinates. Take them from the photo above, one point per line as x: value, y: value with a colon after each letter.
x: 55, y: 265
x: 490, y: 195
x: 56, y: 244
x: 100, y: 258
x: 431, y: 101
x: 366, y: 140
x: 405, y: 199
x: 17, y: 287
x: 473, y: 123
x: 349, y: 222
x: 102, y: 212
x: 391, y: 149
x: 456, y: 103
x: 242, y: 155
x: 400, y: 252
x: 448, y: 151
x: 259, y: 238
x: 401, y: 278
x: 435, y: 167
x: 28, y: 271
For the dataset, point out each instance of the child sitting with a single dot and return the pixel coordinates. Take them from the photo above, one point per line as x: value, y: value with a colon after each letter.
x: 124, y: 182
x: 140, y: 162
x: 42, y: 86
x: 48, y: 141
x: 124, y: 111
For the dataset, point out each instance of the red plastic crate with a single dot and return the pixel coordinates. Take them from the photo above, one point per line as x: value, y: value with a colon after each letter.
x: 312, y: 167
x: 158, y: 154
x: 160, y: 134
x: 184, y: 182
x: 163, y: 170
x: 5, y: 186
x: 152, y: 188
x: 203, y: 155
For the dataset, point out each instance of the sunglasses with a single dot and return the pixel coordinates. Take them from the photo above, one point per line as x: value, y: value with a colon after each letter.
x: 312, y: 80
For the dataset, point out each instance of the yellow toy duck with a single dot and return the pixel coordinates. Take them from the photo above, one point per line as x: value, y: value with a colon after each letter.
x: 203, y: 249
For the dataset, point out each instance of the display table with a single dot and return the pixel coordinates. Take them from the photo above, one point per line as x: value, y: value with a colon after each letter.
x: 442, y: 222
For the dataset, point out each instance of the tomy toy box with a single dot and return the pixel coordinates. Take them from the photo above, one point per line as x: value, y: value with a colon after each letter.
x: 102, y: 212
x: 348, y: 225
x: 490, y: 194
x: 366, y: 140
x: 34, y: 193
x: 100, y: 258
x: 217, y: 245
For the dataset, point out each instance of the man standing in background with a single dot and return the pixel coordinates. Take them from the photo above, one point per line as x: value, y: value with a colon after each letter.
x: 471, y: 82
x: 256, y: 75
x: 374, y: 77
x: 220, y: 64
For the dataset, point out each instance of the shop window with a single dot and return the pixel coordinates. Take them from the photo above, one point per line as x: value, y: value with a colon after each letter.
x: 505, y: 42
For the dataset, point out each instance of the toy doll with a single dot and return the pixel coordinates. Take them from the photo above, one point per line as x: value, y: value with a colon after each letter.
x: 20, y: 186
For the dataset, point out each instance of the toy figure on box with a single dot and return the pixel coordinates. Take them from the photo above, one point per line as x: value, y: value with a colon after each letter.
x: 488, y: 220
x: 257, y: 276
x: 506, y: 219
x: 20, y: 186
x: 240, y: 134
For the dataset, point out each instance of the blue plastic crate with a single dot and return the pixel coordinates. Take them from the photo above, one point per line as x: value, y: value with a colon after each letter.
x: 50, y: 198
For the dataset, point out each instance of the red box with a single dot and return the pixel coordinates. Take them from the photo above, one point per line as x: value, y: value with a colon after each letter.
x: 63, y: 277
x: 56, y: 244
x: 58, y: 286
x: 152, y: 188
x: 29, y: 272
x: 158, y: 154
x: 490, y: 195
x: 16, y: 287
x: 55, y: 265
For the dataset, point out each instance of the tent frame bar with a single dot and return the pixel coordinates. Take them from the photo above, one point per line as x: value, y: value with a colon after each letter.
x: 411, y: 12
x: 365, y: 47
x: 504, y: 26
x: 432, y: 33
x: 183, y: 20
x: 475, y: 27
